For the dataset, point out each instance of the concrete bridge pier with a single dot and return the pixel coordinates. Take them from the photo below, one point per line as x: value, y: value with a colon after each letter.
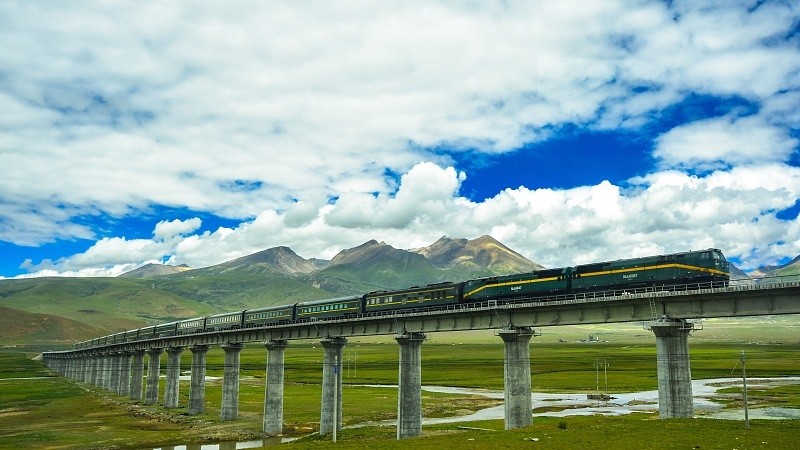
x: 95, y: 373
x: 674, y: 373
x: 65, y: 367
x: 97, y: 370
x: 91, y: 370
x: 72, y: 367
x: 331, y: 410
x: 197, y: 388
x: 107, y: 367
x: 517, y: 376
x: 137, y: 374
x: 87, y: 369
x: 409, y: 385
x: 81, y: 374
x: 115, y: 372
x: 153, y: 370
x: 79, y: 368
x: 230, y: 382
x: 124, y: 373
x: 54, y: 364
x: 173, y: 376
x: 273, y: 397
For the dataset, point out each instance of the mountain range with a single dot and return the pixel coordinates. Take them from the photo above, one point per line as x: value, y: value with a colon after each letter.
x: 64, y: 310
x: 84, y: 307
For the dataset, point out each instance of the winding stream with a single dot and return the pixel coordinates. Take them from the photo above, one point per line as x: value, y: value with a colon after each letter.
x: 623, y: 403
x: 704, y: 391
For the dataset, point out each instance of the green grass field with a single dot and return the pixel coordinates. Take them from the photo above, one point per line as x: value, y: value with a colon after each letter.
x: 51, y: 412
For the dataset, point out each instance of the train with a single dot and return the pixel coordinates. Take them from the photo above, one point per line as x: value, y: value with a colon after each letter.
x: 661, y: 272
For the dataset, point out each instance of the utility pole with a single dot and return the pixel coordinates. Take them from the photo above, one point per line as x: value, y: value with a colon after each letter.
x: 744, y: 393
x: 744, y: 388
x: 601, y: 362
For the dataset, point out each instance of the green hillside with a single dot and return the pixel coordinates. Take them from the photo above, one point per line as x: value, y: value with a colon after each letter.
x: 20, y: 327
x: 239, y: 289
x: 791, y: 270
x: 377, y: 266
x: 105, y: 303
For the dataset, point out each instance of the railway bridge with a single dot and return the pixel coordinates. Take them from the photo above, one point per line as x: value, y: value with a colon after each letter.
x: 669, y: 314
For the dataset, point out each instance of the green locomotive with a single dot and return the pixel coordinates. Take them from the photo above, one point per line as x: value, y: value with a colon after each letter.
x: 540, y: 282
x: 663, y: 270
x: 652, y: 271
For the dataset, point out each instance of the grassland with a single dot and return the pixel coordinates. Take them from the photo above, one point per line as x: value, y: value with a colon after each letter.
x: 82, y: 308
x: 55, y: 413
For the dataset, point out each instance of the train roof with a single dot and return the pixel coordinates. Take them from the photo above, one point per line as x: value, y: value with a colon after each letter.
x: 443, y: 285
x: 330, y: 300
x: 268, y: 308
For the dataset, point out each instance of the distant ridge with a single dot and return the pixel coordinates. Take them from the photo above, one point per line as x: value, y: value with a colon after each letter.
x: 790, y: 268
x: 376, y: 265
x: 281, y: 260
x: 154, y: 270
x: 484, y: 252
x: 372, y: 252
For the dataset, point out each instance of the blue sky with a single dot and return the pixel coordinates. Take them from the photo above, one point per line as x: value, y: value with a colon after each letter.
x: 571, y: 131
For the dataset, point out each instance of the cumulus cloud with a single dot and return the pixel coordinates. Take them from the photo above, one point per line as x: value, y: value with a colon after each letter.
x: 166, y: 230
x: 663, y: 212
x: 724, y: 142
x: 329, y: 94
x: 425, y: 190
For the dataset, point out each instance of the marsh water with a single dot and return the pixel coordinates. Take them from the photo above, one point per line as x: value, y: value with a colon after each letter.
x: 704, y: 393
x: 577, y: 404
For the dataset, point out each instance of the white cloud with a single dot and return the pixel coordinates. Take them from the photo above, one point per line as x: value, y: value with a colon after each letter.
x: 263, y: 111
x: 425, y: 190
x: 166, y: 230
x: 668, y: 211
x: 177, y: 102
x: 725, y: 142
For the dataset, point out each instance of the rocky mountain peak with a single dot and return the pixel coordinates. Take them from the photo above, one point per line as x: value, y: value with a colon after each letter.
x: 484, y: 252
x: 276, y: 259
x: 368, y: 251
x: 154, y: 270
x: 790, y: 268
